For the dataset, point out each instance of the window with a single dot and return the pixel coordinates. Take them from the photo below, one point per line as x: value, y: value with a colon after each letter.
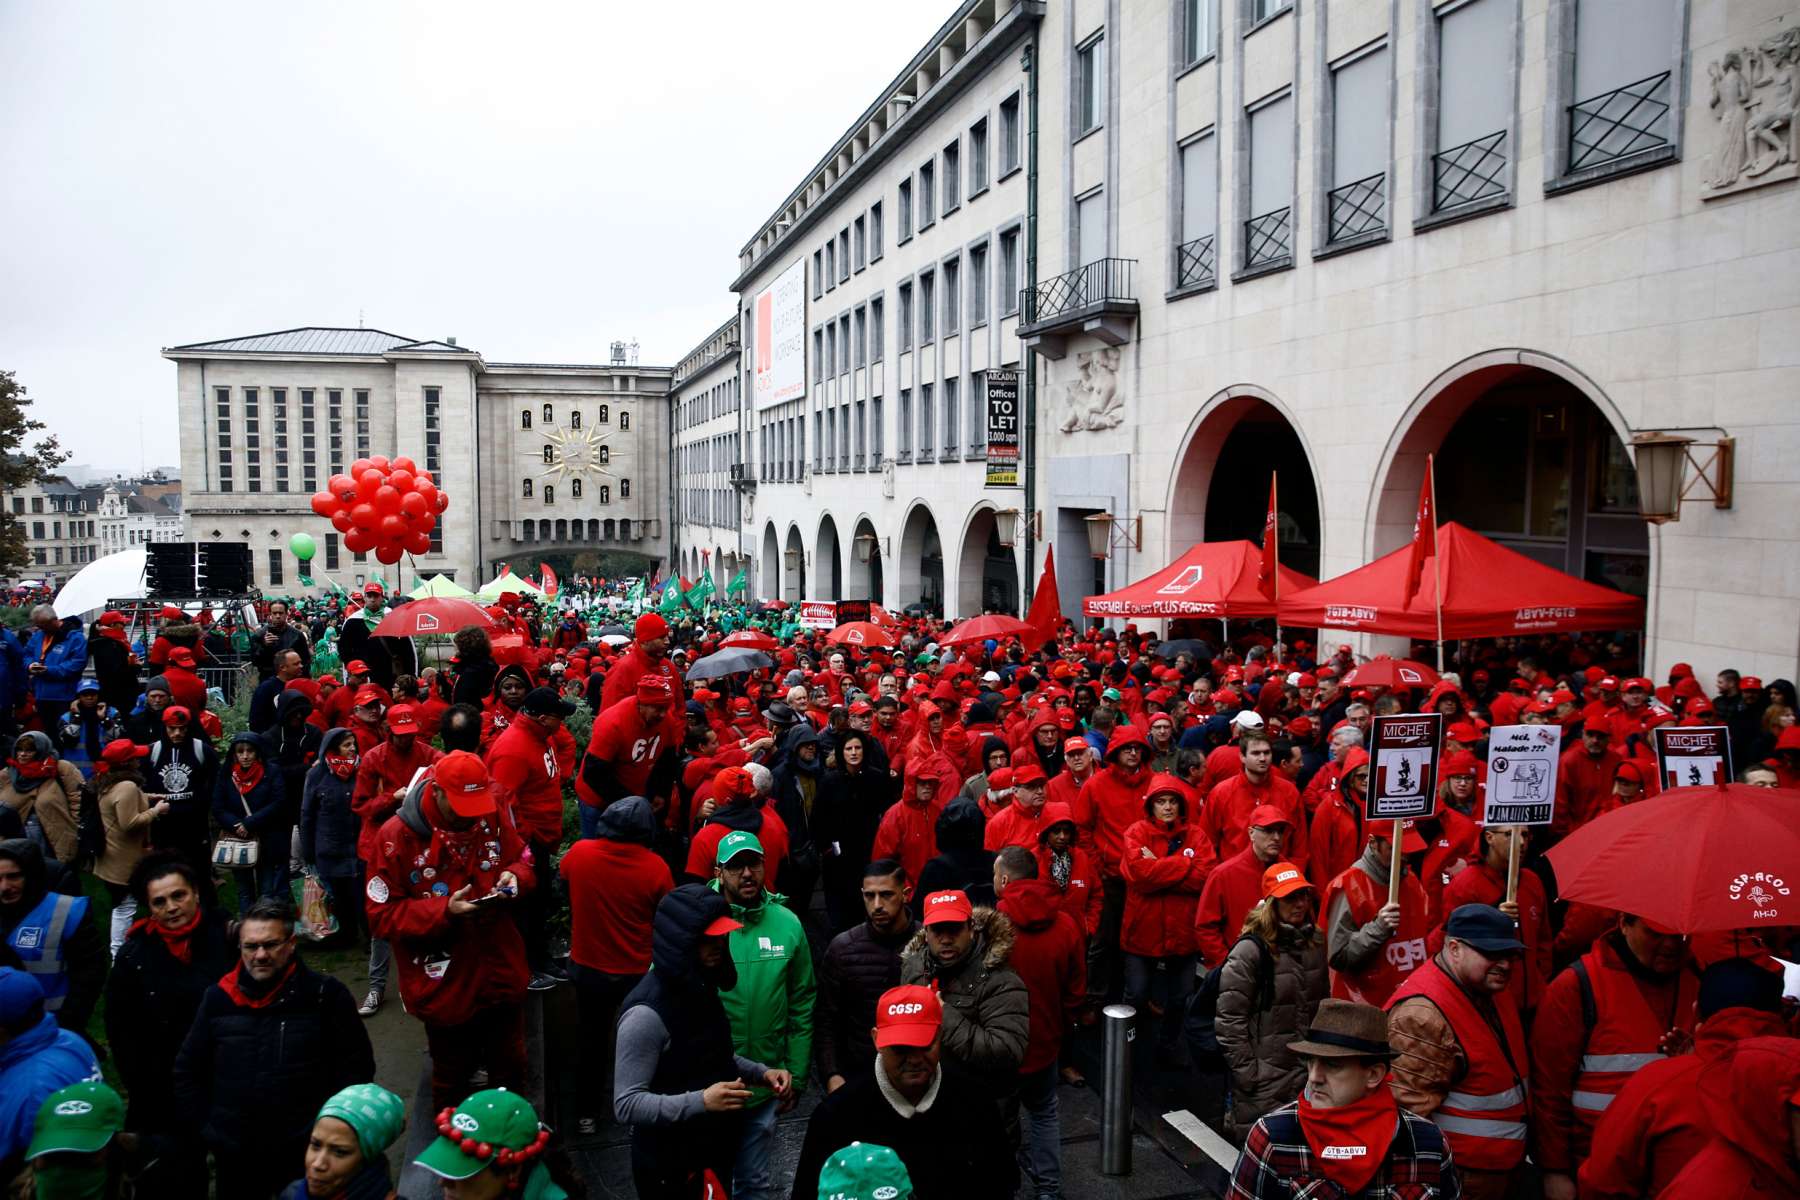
x: 819, y: 367
x: 927, y: 419
x: 876, y: 329
x: 605, y: 456
x: 828, y: 361
x: 1268, y: 233
x: 331, y: 551
x: 252, y: 442
x: 1009, y: 272
x: 274, y: 568
x: 334, y: 425
x: 433, y: 435
x: 978, y: 157
x: 1623, y: 81
x: 862, y: 338
x: 906, y: 317
x: 818, y: 273
x: 278, y: 404
x: 309, y: 442
x: 222, y: 401
x: 831, y: 264
x: 574, y: 418
x: 1475, y: 104
x: 1090, y: 85
x: 361, y: 396
x: 549, y: 494
x: 843, y: 255
x: 624, y: 421
x: 1357, y: 202
x: 978, y: 285
x: 844, y: 344
x: 906, y: 432
x: 821, y: 452
x: 952, y: 297
x: 1090, y: 228
x: 877, y: 433
x: 37, y: 502
x: 861, y: 238
x: 526, y: 485
x: 1262, y: 10
x: 524, y: 418
x: 927, y: 306
x: 1196, y: 255
x: 1199, y: 29
x: 18, y: 504
x: 1009, y: 135
x: 952, y: 176
x: 875, y: 231
x: 605, y: 414
x: 978, y: 415
x: 37, y: 530
x: 624, y: 489
x: 906, y: 213
x: 927, y: 194
x: 950, y: 424
x: 575, y: 488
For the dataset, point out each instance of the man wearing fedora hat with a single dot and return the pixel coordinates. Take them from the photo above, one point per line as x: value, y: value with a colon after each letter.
x: 1346, y: 1126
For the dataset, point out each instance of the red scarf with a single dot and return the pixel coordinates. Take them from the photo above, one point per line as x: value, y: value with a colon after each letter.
x: 233, y: 986
x: 37, y: 768
x: 341, y: 765
x: 115, y: 633
x: 178, y: 940
x: 246, y: 778
x: 1349, y: 1144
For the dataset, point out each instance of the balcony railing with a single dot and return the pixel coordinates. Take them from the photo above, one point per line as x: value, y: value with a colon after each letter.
x: 1357, y: 208
x: 1268, y: 238
x: 1619, y: 123
x: 1197, y: 263
x: 1107, y: 279
x: 1469, y: 172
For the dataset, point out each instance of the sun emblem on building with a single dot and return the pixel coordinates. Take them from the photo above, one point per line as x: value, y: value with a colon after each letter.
x: 574, y: 453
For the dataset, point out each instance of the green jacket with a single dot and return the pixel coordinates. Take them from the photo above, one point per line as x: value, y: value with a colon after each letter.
x: 771, y: 1008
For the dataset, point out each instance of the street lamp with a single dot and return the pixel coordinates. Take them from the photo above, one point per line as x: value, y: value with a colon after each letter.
x: 1006, y: 525
x: 793, y: 559
x: 1662, y: 460
x: 1104, y: 533
x: 864, y: 547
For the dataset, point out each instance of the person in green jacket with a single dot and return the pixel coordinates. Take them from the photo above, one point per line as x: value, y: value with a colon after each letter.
x: 771, y: 1008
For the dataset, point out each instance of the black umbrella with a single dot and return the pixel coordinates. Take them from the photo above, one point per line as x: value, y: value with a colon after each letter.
x: 1200, y: 651
x: 735, y: 661
x: 613, y: 631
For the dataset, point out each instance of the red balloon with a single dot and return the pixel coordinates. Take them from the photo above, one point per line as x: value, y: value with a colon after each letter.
x: 392, y: 528
x: 387, y: 499
x: 443, y: 501
x: 401, y: 481
x: 368, y: 483
x: 423, y: 477
x: 364, y: 516
x: 414, y: 506
x: 404, y: 464
x: 358, y: 541
x: 344, y: 488
x: 389, y: 553
x: 324, y: 503
x: 340, y: 521
x: 378, y: 461
x: 418, y: 543
x: 358, y: 467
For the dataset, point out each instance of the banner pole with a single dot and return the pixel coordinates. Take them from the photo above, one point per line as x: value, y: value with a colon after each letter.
x: 1396, y: 862
x: 1437, y: 563
x: 1512, y: 867
x: 1275, y: 506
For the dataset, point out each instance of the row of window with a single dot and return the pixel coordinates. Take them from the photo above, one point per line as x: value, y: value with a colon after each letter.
x: 53, y: 556
x: 603, y: 417
x: 548, y: 490
x: 932, y: 425
x: 342, y: 444
x: 76, y: 529
x: 118, y: 535
x: 57, y: 504
x: 722, y: 398
x: 938, y: 425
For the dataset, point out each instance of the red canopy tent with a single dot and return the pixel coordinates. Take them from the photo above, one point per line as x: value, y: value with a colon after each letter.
x: 1489, y: 591
x: 1213, y: 579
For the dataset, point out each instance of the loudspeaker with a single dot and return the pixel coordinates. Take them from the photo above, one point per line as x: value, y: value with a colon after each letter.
x: 224, y: 568
x: 169, y: 568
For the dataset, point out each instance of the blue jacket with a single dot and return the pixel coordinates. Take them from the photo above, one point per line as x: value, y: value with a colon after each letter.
x: 328, y: 825
x: 63, y: 666
x: 39, y: 1061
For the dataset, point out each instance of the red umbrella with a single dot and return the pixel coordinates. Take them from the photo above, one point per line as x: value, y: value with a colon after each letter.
x: 434, y: 614
x: 860, y: 633
x: 883, y: 617
x: 1386, y: 672
x: 1694, y: 859
x: 980, y: 629
x: 750, y: 639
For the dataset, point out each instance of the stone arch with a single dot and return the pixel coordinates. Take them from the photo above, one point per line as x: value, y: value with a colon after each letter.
x: 921, y: 559
x: 769, y: 577
x: 793, y: 566
x: 829, y: 570
x: 987, y: 573
x: 864, y: 581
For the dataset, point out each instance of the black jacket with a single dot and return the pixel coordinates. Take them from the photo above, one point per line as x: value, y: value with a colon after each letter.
x: 293, y: 747
x: 264, y: 811
x: 475, y: 681
x: 956, y: 1148
x: 858, y: 966
x: 151, y: 1000
x: 113, y: 667
x: 796, y: 790
x: 961, y: 864
x: 847, y: 814
x: 263, y: 651
x: 329, y: 828
x: 251, y: 1080
x: 386, y: 656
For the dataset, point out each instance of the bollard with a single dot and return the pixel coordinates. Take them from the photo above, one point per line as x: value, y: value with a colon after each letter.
x: 1115, y: 1091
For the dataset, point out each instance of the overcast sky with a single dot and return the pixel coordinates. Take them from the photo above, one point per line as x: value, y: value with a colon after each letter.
x: 535, y: 179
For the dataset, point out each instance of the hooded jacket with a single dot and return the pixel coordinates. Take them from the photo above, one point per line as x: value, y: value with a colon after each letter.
x: 1747, y: 1095
x: 797, y: 789
x: 1163, y: 886
x: 771, y: 1005
x: 1112, y: 800
x: 961, y: 863
x: 330, y: 830
x: 293, y: 744
x: 1339, y: 825
x: 54, y: 800
x: 1226, y: 816
x: 615, y: 883
x: 33, y: 1064
x: 263, y: 810
x: 908, y: 830
x: 63, y: 658
x: 1050, y: 956
x: 1255, y: 1022
x: 758, y: 817
x: 383, y: 771
x: 1079, y: 896
x: 987, y: 1020
x: 151, y: 999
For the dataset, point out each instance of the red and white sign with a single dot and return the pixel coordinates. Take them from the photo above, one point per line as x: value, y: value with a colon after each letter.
x: 1403, y: 759
x: 818, y: 614
x: 1692, y: 757
x: 779, y: 338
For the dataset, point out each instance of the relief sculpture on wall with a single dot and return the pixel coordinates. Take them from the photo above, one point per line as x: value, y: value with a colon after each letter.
x: 1753, y: 94
x: 1091, y: 400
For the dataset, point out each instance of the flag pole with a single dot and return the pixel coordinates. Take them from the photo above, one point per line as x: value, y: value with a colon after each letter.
x: 1437, y: 566
x: 1274, y: 510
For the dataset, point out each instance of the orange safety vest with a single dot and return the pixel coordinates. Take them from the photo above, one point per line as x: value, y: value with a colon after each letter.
x: 1405, y: 951
x: 1483, y: 1117
x: 1626, y: 1034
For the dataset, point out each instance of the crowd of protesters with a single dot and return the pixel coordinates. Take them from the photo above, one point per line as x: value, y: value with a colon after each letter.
x: 907, y: 878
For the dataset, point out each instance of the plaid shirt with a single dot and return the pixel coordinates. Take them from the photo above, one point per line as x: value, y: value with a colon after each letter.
x: 1276, y: 1164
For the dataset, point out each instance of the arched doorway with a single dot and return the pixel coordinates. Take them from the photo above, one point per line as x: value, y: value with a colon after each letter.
x: 987, y: 573
x: 1528, y: 452
x: 793, y: 563
x: 825, y: 561
x: 769, y: 580
x: 865, y: 547
x: 921, y: 562
x: 1221, y: 484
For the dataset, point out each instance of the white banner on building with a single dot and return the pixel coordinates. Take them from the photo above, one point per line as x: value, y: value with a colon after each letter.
x: 779, y: 334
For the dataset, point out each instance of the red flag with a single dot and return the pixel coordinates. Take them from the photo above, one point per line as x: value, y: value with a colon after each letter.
x: 549, y: 576
x: 1424, y: 539
x: 1046, y: 605
x: 1267, y: 576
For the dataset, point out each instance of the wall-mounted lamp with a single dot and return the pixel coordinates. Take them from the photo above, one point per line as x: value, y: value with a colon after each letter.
x: 1662, y: 461
x: 1006, y: 526
x: 1105, y: 534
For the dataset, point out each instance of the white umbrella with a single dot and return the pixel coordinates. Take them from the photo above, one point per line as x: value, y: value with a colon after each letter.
x: 116, y: 577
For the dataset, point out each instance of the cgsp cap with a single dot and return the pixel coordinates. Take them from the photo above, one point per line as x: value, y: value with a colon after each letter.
x: 942, y: 908
x: 402, y: 719
x: 908, y: 1016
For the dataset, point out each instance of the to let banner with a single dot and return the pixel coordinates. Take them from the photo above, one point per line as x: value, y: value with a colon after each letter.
x: 1692, y: 757
x: 1403, y: 763
x: 1522, y: 762
x: 1003, y: 428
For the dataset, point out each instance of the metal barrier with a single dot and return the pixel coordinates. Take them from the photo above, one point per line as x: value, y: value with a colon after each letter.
x: 230, y: 680
x: 1115, y: 1093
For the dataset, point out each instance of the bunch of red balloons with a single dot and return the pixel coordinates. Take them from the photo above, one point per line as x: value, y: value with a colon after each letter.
x: 386, y: 507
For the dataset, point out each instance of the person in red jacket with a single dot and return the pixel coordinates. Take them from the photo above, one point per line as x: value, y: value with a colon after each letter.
x: 1339, y: 824
x: 647, y: 656
x: 1078, y: 768
x: 615, y: 883
x: 1484, y: 882
x: 1373, y: 945
x: 1584, y: 780
x: 1049, y: 957
x: 1067, y: 868
x: 1226, y: 816
x: 1751, y: 1097
x: 908, y: 830
x: 447, y: 871
x: 634, y: 750
x: 385, y: 772
x: 742, y: 795
x: 529, y: 763
x: 1657, y: 1123
x: 185, y: 684
x: 1109, y: 803
x: 1019, y: 823
x: 1167, y: 858
x: 1235, y: 886
x: 1638, y: 986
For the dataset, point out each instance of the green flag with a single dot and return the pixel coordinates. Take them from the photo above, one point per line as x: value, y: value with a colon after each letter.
x: 738, y: 583
x: 637, y: 591
x: 697, y: 594
x: 671, y: 599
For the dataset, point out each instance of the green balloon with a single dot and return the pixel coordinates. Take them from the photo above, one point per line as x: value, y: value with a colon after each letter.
x: 303, y: 546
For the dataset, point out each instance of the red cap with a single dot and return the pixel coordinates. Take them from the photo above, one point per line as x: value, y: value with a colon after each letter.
x: 121, y: 751
x: 1631, y: 771
x: 373, y: 588
x: 1301, y: 726
x: 464, y: 778
x: 741, y: 704
x: 1267, y: 816
x: 355, y: 666
x: 859, y: 708
x: 1460, y: 763
x: 654, y: 689
x: 703, y: 695
x: 112, y: 618
x: 1283, y: 879
x: 1000, y: 779
x: 368, y: 693
x: 170, y: 613
x: 1750, y: 683
x: 181, y: 656
x: 402, y: 719
x: 1075, y: 745
x: 908, y: 1016
x: 721, y: 926
x: 1607, y: 683
x: 1464, y: 731
x: 649, y: 627
x: 1639, y: 684
x: 734, y: 783
x: 1411, y: 841
x: 1307, y: 680
x: 1323, y: 673
x: 945, y: 907
x: 945, y: 690
x: 176, y: 714
x: 1027, y: 775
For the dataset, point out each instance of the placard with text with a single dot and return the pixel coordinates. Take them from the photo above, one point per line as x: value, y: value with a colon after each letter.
x: 1692, y: 756
x: 1403, y: 763
x: 1522, y: 762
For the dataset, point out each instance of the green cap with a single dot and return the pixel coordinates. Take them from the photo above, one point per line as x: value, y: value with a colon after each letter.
x: 79, y: 1119
x: 1111, y: 694
x: 735, y: 843
x: 491, y: 1120
x: 863, y: 1171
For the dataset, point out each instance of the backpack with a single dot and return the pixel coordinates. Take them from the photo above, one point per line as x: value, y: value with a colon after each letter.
x: 1203, y: 1005
x: 90, y: 830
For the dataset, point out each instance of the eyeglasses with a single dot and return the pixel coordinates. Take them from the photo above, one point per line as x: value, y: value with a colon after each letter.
x: 263, y: 947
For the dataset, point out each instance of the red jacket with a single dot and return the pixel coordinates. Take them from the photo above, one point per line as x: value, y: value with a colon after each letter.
x: 1109, y: 803
x: 1583, y: 788
x: 529, y: 765
x: 770, y: 830
x: 1081, y: 899
x: 186, y: 687
x: 627, y: 749
x: 908, y: 830
x: 496, y: 717
x: 1065, y: 788
x: 1050, y: 955
x: 614, y: 888
x: 1747, y: 1096
x: 1657, y: 1123
x: 449, y: 967
x: 1323, y: 783
x: 1226, y: 815
x: 1455, y: 841
x: 379, y: 774
x: 1339, y: 833
x: 633, y: 665
x: 1232, y: 889
x: 1160, y: 889
x: 1575, y: 1071
x: 1479, y: 883
x: 1015, y: 825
